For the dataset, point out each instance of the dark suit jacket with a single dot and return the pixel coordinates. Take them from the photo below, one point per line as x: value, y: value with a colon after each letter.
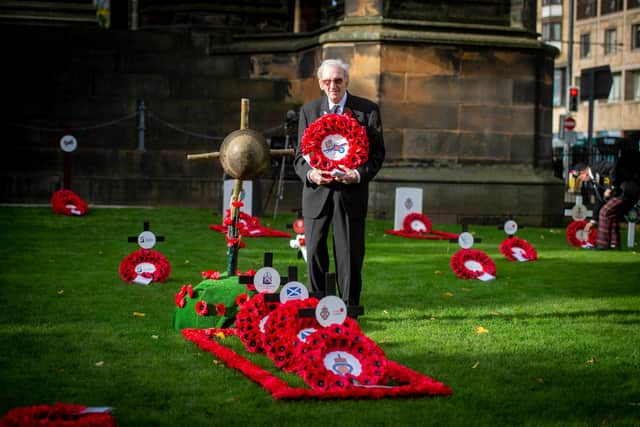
x: 354, y: 196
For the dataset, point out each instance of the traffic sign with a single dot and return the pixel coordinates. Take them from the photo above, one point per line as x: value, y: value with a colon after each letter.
x: 569, y: 123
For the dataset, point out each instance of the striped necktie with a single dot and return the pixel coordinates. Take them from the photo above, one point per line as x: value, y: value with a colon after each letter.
x: 335, y: 109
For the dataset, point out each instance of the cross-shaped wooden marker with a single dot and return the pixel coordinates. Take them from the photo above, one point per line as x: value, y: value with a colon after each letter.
x: 243, y: 154
x: 146, y: 239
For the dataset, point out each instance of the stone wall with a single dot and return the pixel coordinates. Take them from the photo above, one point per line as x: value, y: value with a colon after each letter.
x: 466, y: 114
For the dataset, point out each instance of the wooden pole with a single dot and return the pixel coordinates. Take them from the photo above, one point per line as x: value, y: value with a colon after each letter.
x: 232, y: 232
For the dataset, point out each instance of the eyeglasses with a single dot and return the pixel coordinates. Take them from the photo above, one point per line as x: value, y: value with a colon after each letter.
x: 336, y: 82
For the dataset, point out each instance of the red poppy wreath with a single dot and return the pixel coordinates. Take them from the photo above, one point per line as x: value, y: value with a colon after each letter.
x: 516, y: 249
x: 340, y: 358
x: 334, y: 140
x: 577, y: 237
x: 472, y: 264
x: 250, y: 322
x: 60, y: 415
x: 285, y: 332
x: 145, y: 263
x: 66, y: 202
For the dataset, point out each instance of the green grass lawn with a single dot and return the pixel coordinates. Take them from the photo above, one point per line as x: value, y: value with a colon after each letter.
x: 562, y: 347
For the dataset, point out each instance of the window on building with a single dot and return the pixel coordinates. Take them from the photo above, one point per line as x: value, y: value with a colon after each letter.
x: 585, y: 45
x: 611, y: 6
x: 550, y: 2
x: 635, y: 36
x: 552, y: 31
x: 559, y: 86
x: 633, y: 85
x: 610, y: 41
x: 632, y: 4
x: 586, y: 9
x: 616, y: 88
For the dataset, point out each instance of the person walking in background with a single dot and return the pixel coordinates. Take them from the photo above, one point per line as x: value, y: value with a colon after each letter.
x: 338, y: 199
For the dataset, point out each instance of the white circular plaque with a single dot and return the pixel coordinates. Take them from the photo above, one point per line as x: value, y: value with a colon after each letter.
x: 465, y: 240
x: 146, y: 240
x: 304, y: 333
x: 293, y: 291
x: 510, y: 227
x: 266, y: 280
x: 335, y: 147
x: 68, y: 143
x: 473, y: 265
x: 579, y: 212
x: 145, y: 267
x: 342, y: 363
x: 331, y: 310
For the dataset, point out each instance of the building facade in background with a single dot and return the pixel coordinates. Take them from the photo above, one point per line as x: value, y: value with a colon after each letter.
x: 605, y: 32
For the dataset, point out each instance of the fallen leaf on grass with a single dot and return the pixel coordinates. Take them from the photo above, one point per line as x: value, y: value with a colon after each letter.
x: 475, y: 365
x: 539, y: 380
x: 448, y: 294
x: 437, y: 272
x: 61, y: 291
x: 186, y: 261
x: 481, y: 330
x: 138, y: 314
x: 100, y: 363
x: 465, y: 289
x: 155, y: 337
x: 385, y: 312
x: 220, y: 335
x: 590, y: 361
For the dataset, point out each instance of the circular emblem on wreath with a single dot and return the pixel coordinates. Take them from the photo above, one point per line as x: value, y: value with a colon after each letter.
x: 66, y: 202
x: 577, y: 237
x: 417, y: 223
x: 334, y: 140
x: 516, y: 249
x: 145, y: 264
x: 472, y: 263
x: 341, y: 357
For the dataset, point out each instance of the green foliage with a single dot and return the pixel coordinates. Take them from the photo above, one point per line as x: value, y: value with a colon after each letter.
x: 551, y: 342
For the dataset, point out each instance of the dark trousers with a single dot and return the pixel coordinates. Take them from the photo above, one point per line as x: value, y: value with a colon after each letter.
x: 348, y: 249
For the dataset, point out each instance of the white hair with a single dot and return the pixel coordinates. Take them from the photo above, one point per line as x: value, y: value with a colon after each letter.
x: 336, y: 63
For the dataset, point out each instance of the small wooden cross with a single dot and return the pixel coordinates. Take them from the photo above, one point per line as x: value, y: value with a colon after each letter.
x: 146, y: 239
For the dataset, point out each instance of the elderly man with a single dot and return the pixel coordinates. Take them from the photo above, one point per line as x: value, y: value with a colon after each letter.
x: 338, y: 199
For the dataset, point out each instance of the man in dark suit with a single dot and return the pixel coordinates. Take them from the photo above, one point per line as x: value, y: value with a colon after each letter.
x: 340, y: 198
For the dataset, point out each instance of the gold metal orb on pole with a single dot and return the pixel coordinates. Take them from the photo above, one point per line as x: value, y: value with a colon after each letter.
x: 244, y: 154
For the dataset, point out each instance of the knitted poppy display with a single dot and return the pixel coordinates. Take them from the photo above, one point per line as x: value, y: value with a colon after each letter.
x: 416, y: 225
x: 334, y: 140
x: 405, y: 381
x: 57, y: 415
x: 66, y: 202
x: 338, y: 357
x: 250, y: 322
x: 516, y: 249
x: 212, y: 303
x: 145, y: 263
x: 471, y: 264
x: 577, y: 237
x: 248, y: 226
